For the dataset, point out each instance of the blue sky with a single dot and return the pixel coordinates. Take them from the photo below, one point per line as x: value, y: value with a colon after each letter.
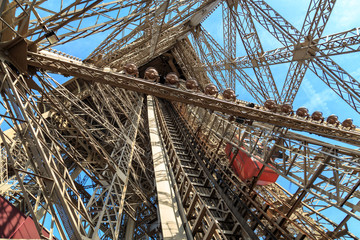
x: 313, y: 93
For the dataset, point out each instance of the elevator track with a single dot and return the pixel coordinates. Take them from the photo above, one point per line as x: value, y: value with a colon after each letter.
x: 209, y: 213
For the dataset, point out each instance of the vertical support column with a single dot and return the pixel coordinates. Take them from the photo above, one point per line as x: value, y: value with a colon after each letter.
x: 171, y: 224
x: 130, y: 229
x: 3, y: 167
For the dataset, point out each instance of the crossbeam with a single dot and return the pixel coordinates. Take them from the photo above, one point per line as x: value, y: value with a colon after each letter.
x: 116, y: 79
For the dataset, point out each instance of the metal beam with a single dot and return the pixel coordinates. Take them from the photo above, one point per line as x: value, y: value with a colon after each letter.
x: 171, y: 223
x: 116, y: 79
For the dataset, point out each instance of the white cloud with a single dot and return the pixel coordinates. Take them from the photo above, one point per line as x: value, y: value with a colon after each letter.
x: 345, y: 15
x: 356, y: 74
x: 317, y: 100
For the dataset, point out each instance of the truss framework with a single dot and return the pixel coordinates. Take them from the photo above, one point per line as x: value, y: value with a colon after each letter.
x: 77, y: 157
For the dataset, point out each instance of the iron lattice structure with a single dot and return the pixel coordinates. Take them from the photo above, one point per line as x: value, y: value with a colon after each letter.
x: 108, y: 155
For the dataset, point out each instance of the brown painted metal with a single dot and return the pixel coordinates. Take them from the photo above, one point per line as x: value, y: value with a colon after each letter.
x: 115, y: 79
x: 91, y: 133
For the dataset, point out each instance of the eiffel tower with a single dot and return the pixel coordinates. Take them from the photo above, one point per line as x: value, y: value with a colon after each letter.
x: 148, y: 136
